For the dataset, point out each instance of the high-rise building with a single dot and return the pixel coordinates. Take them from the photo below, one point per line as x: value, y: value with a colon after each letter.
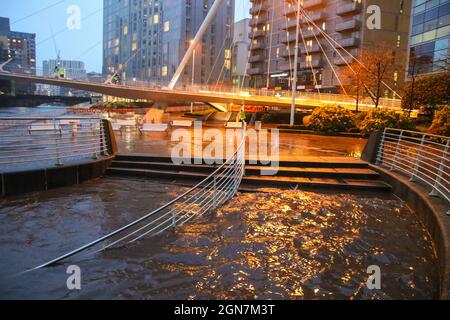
x: 147, y: 40
x: 73, y: 70
x: 273, y: 39
x: 21, y: 48
x: 429, y: 43
x: 241, y: 45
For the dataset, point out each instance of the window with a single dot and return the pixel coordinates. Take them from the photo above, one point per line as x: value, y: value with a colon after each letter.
x: 166, y: 26
x: 155, y: 19
x: 164, y: 71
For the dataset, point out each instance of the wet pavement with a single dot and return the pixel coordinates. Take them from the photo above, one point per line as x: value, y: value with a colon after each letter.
x: 266, y: 245
x: 292, y: 146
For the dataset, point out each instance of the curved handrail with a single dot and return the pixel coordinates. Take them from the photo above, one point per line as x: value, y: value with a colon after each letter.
x: 213, y: 191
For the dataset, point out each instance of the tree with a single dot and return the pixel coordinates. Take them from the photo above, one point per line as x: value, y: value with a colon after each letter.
x: 369, y: 76
x: 352, y: 81
x: 427, y: 92
x: 379, y: 68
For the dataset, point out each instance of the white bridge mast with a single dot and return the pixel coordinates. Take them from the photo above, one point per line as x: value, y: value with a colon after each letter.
x: 198, y: 37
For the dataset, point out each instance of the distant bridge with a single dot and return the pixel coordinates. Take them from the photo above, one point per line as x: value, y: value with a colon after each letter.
x: 215, y: 98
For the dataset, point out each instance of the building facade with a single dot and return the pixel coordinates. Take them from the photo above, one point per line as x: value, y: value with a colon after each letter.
x: 74, y: 70
x: 241, y: 45
x: 21, y: 48
x: 429, y: 41
x: 320, y: 65
x: 146, y: 40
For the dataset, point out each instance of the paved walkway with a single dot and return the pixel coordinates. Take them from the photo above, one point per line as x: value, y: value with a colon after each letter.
x: 294, y: 147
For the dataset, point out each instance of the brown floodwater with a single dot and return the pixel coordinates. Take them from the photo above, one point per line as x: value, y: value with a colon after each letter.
x: 268, y: 245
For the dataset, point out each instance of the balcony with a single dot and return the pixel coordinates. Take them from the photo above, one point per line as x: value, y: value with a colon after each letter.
x: 349, y: 42
x: 257, y: 34
x: 258, y: 21
x: 286, y: 66
x: 258, y: 8
x: 255, y: 71
x: 291, y: 11
x: 289, y: 53
x: 308, y: 34
x: 289, y: 39
x: 309, y: 4
x: 351, y: 25
x: 258, y: 46
x: 347, y: 8
x: 314, y: 49
x: 343, y: 61
x: 256, y: 58
x: 315, y: 63
x: 317, y: 16
x: 289, y: 25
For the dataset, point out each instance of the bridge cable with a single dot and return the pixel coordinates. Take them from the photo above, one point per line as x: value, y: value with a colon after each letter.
x: 270, y: 45
x: 326, y: 35
x: 288, y: 46
x: 37, y: 12
x: 310, y: 63
x: 328, y: 59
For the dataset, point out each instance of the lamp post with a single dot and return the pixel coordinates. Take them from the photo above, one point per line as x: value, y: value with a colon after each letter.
x: 294, y: 81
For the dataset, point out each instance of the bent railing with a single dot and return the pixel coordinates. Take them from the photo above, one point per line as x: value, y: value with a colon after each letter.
x: 423, y: 157
x: 36, y: 142
x: 208, y: 195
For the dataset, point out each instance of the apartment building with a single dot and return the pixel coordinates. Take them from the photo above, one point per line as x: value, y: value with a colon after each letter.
x: 273, y: 40
x: 147, y: 39
x: 241, y: 45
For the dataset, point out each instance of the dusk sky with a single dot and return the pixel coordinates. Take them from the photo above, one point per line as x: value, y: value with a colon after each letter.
x: 43, y: 16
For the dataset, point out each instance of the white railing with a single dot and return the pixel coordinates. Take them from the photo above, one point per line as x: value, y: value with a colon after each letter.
x: 365, y: 103
x: 36, y: 142
x: 208, y: 195
x: 423, y: 157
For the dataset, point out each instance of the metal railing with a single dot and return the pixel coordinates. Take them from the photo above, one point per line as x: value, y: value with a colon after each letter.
x: 365, y: 103
x: 208, y: 195
x: 423, y: 157
x: 35, y: 142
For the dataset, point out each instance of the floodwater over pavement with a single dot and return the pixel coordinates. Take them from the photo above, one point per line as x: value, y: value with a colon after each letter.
x: 277, y: 244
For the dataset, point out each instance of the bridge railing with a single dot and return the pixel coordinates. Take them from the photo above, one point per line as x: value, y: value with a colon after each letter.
x: 206, y: 196
x: 36, y: 142
x: 425, y: 158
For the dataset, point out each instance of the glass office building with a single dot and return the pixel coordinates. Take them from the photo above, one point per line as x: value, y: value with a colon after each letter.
x: 147, y: 39
x: 430, y: 37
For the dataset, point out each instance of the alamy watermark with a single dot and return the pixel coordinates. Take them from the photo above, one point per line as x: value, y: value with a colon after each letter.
x: 74, y: 280
x: 74, y: 17
x: 262, y: 146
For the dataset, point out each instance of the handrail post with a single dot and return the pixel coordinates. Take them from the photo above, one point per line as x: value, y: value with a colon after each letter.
x: 94, y: 154
x: 435, y: 192
x: 397, y: 149
x: 214, y: 193
x: 58, y: 156
x: 381, y: 149
x: 418, y: 160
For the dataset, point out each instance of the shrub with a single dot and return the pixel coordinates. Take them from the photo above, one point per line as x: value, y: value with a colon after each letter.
x: 379, y: 119
x: 441, y: 122
x: 332, y: 120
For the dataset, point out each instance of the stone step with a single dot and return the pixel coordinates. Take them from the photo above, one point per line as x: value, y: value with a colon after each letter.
x: 305, y: 162
x: 334, y: 173
x: 259, y: 181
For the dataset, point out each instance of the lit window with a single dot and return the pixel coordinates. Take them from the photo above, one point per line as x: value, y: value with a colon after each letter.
x: 156, y: 19
x: 166, y: 26
x: 164, y: 71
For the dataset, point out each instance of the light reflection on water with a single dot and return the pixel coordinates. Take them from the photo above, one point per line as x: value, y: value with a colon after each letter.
x: 272, y: 245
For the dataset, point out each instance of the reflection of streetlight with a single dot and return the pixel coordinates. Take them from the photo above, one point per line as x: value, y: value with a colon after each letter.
x: 193, y: 74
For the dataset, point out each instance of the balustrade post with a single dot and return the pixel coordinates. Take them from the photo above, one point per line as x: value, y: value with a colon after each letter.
x: 381, y: 149
x: 94, y: 154
x: 397, y: 149
x: 418, y: 160
x: 435, y: 192
x: 58, y: 156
